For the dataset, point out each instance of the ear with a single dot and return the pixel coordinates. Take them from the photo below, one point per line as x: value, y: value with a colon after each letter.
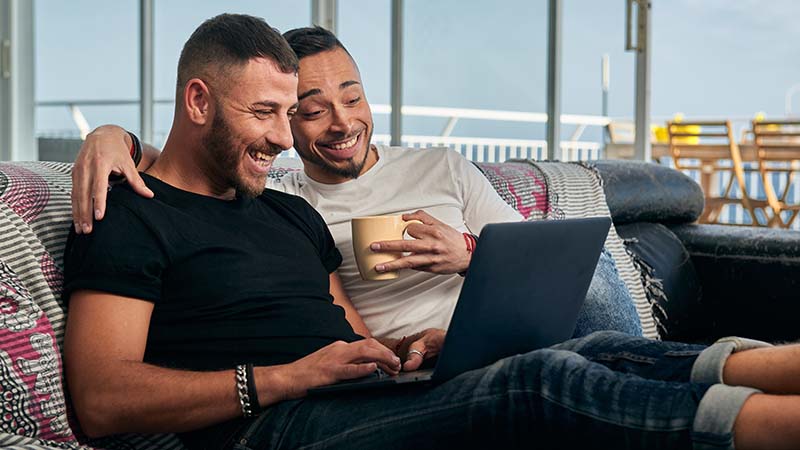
x: 197, y: 101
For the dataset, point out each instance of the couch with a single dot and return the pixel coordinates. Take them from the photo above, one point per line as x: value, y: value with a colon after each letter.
x: 717, y: 280
x: 691, y: 282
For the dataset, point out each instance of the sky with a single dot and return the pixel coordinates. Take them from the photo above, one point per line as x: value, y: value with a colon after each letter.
x: 711, y: 58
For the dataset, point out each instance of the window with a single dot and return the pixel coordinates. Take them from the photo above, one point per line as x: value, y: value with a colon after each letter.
x: 86, y: 52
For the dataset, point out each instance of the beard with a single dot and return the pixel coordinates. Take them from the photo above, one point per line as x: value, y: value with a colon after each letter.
x: 220, y: 144
x: 352, y: 168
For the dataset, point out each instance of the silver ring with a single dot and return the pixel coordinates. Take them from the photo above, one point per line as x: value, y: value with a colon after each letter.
x: 412, y: 352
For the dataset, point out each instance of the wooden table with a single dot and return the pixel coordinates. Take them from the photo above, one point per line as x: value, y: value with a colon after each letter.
x: 714, y: 153
x: 660, y: 150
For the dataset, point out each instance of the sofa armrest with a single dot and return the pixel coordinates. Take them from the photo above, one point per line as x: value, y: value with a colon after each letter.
x: 647, y: 192
x: 749, y: 279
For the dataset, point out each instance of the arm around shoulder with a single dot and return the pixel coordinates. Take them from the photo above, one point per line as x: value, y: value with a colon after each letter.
x: 105, y: 152
x: 149, y: 155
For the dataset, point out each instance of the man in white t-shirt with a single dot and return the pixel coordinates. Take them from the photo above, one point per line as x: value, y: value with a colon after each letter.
x: 344, y: 176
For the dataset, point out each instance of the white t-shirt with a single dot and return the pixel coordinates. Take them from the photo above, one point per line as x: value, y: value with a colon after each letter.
x: 436, y: 180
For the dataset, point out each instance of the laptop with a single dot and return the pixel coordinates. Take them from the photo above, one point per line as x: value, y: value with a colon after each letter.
x: 525, y: 286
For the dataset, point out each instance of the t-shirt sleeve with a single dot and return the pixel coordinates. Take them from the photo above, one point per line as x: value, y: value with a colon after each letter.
x: 330, y: 255
x: 121, y: 256
x: 482, y: 204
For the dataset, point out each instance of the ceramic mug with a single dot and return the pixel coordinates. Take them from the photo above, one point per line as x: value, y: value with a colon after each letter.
x: 367, y: 230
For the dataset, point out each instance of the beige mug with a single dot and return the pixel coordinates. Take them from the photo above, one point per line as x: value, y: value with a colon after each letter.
x: 367, y: 230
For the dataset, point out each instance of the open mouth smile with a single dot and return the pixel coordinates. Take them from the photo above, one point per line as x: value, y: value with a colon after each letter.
x: 343, y: 150
x: 262, y: 161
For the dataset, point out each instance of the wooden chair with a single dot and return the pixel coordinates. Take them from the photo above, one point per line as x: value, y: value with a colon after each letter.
x: 709, y: 147
x: 778, y: 149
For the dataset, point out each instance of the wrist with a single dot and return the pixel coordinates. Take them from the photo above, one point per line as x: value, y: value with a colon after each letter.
x: 128, y: 140
x: 470, y: 241
x: 130, y: 144
x: 276, y: 384
x: 246, y: 390
x: 135, y: 147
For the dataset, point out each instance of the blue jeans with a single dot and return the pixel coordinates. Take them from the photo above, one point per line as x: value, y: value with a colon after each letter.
x: 608, y: 304
x: 606, y: 390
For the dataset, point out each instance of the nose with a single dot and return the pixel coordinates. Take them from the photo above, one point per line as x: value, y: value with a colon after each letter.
x: 281, y: 134
x: 340, y: 121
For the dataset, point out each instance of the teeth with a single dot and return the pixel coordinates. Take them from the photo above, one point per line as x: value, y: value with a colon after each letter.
x: 262, y: 159
x: 345, y: 145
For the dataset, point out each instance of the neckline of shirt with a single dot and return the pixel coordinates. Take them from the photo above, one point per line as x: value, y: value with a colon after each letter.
x: 184, y: 195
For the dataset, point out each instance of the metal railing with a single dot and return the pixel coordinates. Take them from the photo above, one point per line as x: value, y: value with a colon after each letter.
x: 474, y: 148
x: 480, y: 149
x: 499, y: 150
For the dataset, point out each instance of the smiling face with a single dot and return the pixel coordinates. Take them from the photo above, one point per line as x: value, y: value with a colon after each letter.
x: 250, y: 126
x: 333, y: 126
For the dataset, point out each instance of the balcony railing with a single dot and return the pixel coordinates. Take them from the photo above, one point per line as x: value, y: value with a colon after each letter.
x: 473, y: 148
x: 479, y: 149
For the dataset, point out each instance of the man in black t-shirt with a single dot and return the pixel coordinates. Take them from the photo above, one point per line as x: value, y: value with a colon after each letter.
x: 216, y: 272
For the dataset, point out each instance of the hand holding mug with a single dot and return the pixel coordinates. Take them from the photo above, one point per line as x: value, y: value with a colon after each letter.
x: 367, y: 230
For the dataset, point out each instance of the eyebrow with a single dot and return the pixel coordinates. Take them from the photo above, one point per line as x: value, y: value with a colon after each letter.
x: 316, y: 91
x: 348, y: 84
x: 309, y: 93
x: 275, y: 105
x: 267, y: 104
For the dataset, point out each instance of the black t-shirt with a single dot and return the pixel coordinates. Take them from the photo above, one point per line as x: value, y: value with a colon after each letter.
x: 232, y: 282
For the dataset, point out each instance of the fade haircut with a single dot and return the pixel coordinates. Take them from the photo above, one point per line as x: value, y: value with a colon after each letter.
x: 309, y: 41
x: 229, y: 41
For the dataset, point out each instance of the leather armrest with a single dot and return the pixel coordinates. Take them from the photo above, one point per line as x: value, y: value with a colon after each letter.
x: 750, y: 281
x: 647, y: 192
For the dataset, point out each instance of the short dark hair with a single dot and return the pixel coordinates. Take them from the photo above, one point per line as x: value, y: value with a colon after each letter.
x: 229, y: 40
x: 309, y: 41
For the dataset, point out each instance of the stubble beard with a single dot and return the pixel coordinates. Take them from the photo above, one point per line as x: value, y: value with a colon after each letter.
x: 225, y: 162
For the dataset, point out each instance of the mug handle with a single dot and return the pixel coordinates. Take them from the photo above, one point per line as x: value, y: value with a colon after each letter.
x: 406, y: 223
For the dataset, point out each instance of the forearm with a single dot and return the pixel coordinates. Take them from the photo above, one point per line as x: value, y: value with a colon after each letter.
x: 341, y: 299
x: 149, y: 155
x: 130, y: 396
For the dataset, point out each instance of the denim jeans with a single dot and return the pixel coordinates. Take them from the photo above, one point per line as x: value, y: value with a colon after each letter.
x: 605, y: 390
x: 608, y: 304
